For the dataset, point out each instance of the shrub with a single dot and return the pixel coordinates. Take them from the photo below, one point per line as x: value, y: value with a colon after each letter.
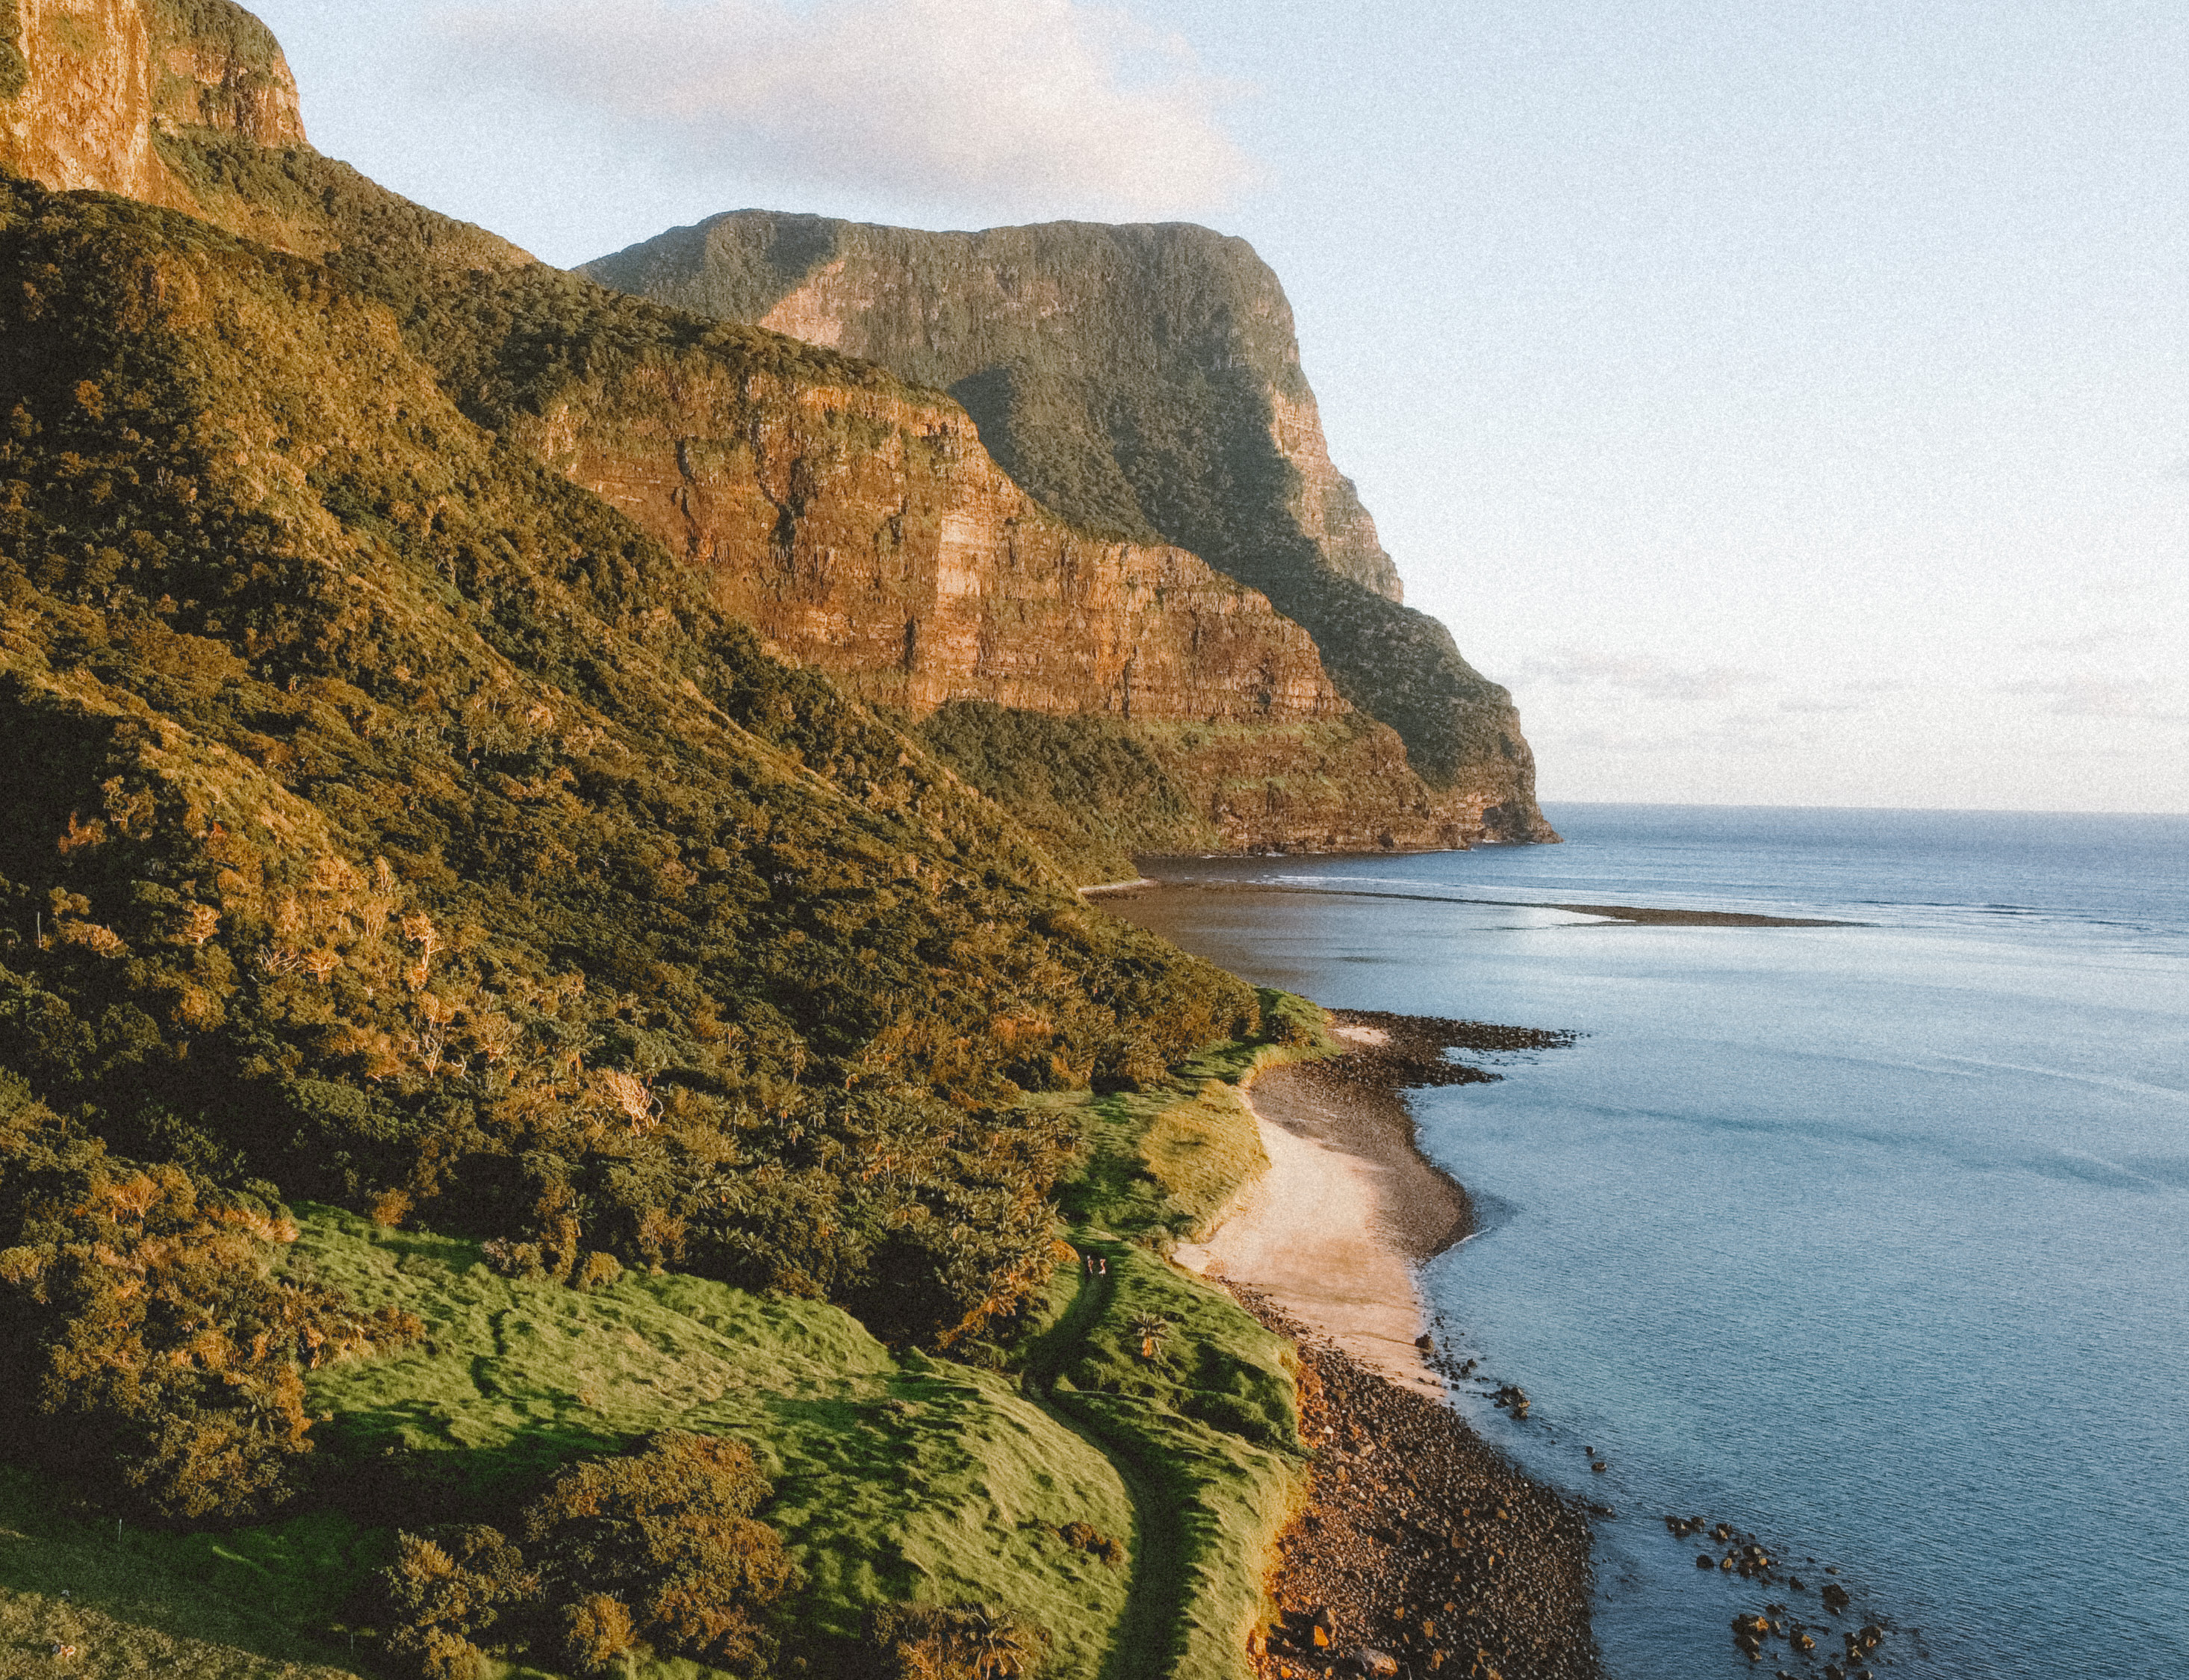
x: 667, y: 1534
x: 955, y: 1642
x: 597, y: 1630
x: 154, y: 1356
x: 446, y: 1587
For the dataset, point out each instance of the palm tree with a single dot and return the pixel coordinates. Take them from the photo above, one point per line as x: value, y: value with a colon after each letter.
x: 1153, y: 1330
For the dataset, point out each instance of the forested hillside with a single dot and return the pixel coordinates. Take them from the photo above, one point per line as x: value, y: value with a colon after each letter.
x: 538, y: 1136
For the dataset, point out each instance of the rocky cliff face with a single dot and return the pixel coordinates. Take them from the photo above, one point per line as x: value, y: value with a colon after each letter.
x: 857, y: 522
x: 1145, y: 380
x: 87, y: 85
x: 866, y: 530
x: 1050, y: 338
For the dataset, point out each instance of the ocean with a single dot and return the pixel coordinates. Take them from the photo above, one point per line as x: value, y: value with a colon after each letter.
x: 1871, y: 1240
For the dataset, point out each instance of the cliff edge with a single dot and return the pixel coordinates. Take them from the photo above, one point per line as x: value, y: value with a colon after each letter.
x: 86, y: 86
x: 1139, y: 380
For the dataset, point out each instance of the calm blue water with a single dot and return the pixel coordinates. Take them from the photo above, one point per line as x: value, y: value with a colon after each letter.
x: 1873, y: 1240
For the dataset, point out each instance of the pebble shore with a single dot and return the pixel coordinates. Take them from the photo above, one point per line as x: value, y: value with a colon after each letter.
x: 1422, y: 1551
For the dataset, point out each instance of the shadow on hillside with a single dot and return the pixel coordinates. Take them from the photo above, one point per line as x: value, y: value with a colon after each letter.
x: 129, y: 1609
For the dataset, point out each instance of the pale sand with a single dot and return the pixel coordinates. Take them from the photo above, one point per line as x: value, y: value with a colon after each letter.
x: 1315, y: 1235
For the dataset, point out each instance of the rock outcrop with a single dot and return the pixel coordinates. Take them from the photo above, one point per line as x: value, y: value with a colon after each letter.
x: 87, y: 85
x: 1143, y: 380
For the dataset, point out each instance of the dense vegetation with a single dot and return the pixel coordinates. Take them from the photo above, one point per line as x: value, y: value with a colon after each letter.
x: 656, y: 1548
x: 1088, y: 790
x: 384, y: 820
x: 146, y: 1333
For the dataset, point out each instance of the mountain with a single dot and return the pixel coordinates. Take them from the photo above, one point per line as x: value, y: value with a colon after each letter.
x: 539, y: 1131
x: 387, y: 820
x: 1142, y: 380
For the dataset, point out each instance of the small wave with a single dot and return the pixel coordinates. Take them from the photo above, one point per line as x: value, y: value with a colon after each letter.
x: 2081, y: 1163
x: 2139, y: 1087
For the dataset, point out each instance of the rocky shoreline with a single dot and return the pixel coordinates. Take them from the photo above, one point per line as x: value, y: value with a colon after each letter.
x: 1422, y: 1550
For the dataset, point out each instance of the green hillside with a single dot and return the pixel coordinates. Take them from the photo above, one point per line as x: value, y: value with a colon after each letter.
x: 1117, y: 1497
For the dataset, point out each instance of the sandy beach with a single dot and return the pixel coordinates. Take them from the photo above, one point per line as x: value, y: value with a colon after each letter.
x: 1418, y: 1541
x: 1350, y: 1207
x: 1334, y: 1232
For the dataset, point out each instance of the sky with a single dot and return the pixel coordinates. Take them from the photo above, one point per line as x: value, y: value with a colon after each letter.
x: 1790, y: 403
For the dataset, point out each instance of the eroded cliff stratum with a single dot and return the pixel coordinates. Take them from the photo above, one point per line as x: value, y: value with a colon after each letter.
x: 1143, y: 380
x: 860, y: 521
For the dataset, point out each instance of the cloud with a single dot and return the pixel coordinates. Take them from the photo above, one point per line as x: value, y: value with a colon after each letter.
x: 2099, y: 697
x: 2091, y: 641
x: 1819, y: 704
x: 997, y: 107
x: 1637, y: 674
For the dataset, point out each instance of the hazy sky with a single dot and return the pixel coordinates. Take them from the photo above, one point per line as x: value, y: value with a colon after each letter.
x: 1790, y: 401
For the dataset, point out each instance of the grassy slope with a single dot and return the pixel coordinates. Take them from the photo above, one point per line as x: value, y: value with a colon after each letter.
x: 231, y: 1607
x: 898, y: 1476
x: 895, y: 1477
x: 1207, y: 1432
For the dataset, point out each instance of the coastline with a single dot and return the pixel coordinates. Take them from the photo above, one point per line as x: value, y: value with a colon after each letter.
x: 1419, y: 1541
x: 1350, y: 1208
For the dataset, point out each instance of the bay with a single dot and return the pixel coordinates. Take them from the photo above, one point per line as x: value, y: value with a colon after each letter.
x: 1873, y: 1240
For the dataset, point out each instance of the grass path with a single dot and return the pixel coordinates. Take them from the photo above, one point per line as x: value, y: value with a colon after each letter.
x: 1146, y: 1632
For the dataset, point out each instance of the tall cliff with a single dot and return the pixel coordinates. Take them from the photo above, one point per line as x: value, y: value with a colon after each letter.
x: 1142, y: 380
x: 86, y: 87
x: 857, y: 520
x: 189, y: 105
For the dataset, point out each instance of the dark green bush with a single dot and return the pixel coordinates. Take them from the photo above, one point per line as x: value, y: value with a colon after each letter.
x: 446, y: 1588
x: 154, y: 1358
x: 955, y: 1642
x: 667, y: 1536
